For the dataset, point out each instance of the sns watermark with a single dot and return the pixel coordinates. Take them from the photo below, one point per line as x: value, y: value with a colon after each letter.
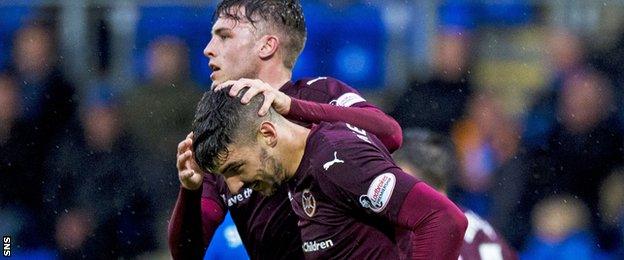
x: 6, y: 246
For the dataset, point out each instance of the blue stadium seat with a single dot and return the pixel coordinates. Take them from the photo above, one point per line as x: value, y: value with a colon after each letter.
x: 348, y: 44
x: 469, y: 14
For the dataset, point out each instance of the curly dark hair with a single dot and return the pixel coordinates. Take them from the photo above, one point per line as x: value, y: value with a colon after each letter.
x: 284, y: 15
x: 222, y: 120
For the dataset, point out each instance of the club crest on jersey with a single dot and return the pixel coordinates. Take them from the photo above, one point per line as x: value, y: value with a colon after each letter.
x: 308, y: 202
x: 379, y: 193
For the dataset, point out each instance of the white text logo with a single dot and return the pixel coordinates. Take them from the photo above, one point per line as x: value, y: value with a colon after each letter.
x: 313, y: 246
x: 235, y: 199
x: 379, y: 192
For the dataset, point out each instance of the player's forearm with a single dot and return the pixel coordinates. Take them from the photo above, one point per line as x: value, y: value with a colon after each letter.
x: 369, y: 118
x: 186, y: 240
x: 437, y: 225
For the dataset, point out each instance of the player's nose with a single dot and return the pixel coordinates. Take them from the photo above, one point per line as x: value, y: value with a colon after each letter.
x: 209, y: 50
x: 234, y: 184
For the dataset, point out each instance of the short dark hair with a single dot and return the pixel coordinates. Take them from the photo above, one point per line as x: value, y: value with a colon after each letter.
x: 432, y: 154
x: 221, y: 120
x: 285, y: 15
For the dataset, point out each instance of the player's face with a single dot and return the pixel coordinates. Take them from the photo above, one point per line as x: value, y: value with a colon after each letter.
x: 231, y: 51
x: 252, y: 166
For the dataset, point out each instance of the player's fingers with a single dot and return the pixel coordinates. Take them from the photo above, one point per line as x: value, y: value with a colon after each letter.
x: 182, y: 146
x: 190, y: 135
x: 196, y: 178
x: 236, y: 87
x: 251, y: 92
x: 268, y: 101
x: 181, y: 163
x: 192, y: 164
x: 185, y: 174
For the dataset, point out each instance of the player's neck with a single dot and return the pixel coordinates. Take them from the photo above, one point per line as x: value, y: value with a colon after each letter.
x: 296, y: 148
x: 275, y: 75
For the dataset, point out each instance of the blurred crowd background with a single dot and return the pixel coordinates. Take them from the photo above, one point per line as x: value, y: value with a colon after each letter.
x: 95, y: 95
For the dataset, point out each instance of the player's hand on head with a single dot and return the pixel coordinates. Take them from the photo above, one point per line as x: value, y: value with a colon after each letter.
x: 272, y: 96
x: 189, y: 173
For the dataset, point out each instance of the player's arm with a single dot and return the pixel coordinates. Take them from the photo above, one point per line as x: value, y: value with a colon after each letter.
x: 354, y: 110
x: 192, y: 211
x: 192, y: 225
x: 368, y: 183
x: 367, y: 117
x: 436, y: 224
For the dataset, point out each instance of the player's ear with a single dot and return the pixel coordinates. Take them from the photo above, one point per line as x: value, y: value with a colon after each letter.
x: 268, y: 134
x: 269, y: 46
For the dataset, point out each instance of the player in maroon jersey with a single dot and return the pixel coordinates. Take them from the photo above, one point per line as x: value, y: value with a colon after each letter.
x: 265, y: 49
x: 344, y: 187
x: 431, y: 158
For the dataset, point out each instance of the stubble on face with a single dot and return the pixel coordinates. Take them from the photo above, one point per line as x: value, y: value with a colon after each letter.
x: 272, y: 174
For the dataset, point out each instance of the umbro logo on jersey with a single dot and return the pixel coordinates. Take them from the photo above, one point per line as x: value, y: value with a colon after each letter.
x: 332, y: 162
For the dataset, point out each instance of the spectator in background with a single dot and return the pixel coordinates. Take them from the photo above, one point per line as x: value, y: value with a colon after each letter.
x: 487, y: 139
x: 560, y: 231
x: 572, y: 137
x: 566, y: 56
x: 93, y: 190
x: 156, y: 117
x: 439, y: 102
x: 612, y: 209
x: 47, y: 98
x: 17, y: 214
x: 9, y: 105
x: 44, y: 110
x: 582, y: 148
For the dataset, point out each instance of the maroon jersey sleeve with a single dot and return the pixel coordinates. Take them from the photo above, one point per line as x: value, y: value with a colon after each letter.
x: 359, y: 174
x: 194, y: 209
x: 186, y: 239
x: 330, y: 100
x: 435, y: 224
x: 212, y: 188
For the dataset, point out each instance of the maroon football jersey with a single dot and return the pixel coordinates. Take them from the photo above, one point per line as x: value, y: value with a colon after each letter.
x: 267, y: 225
x: 347, y: 193
x: 482, y: 242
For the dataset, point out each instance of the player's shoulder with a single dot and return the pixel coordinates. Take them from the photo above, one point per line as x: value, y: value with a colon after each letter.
x: 326, y: 90
x: 318, y: 82
x: 340, y: 133
x: 325, y: 84
x: 341, y: 138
